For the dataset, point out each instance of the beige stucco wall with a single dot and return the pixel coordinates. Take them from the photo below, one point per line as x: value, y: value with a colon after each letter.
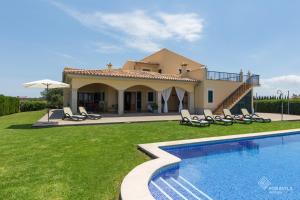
x: 132, y: 65
x: 197, y: 74
x: 221, y: 90
x: 124, y: 83
x: 129, y: 65
x: 66, y: 97
x: 199, y: 99
x: 170, y: 62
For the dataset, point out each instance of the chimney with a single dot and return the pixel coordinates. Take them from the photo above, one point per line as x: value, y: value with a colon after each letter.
x: 109, y: 65
x: 183, y: 68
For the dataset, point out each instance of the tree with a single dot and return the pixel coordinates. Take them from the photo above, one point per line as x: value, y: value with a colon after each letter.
x: 54, y: 97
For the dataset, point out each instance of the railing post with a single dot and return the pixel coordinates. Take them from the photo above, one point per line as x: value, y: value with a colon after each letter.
x: 241, y: 76
x: 249, y: 77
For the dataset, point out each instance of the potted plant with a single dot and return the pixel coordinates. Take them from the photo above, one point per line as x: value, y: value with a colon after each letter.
x: 154, y: 107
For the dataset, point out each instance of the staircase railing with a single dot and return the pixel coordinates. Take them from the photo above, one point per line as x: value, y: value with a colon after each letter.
x: 248, y: 83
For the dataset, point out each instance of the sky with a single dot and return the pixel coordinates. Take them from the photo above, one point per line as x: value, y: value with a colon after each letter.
x: 38, y: 38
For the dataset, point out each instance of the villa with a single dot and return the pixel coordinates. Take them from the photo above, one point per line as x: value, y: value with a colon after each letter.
x: 163, y: 82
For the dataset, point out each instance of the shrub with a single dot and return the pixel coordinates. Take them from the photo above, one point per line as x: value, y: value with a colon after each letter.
x: 8, y: 105
x: 29, y: 105
x: 274, y: 106
x: 54, y: 97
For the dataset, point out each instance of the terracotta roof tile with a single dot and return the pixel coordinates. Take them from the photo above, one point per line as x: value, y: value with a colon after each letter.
x: 126, y: 74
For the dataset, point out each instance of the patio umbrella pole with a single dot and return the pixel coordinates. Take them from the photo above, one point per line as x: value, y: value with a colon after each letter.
x: 47, y: 100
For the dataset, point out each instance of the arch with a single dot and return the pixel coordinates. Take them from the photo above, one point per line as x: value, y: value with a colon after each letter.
x: 173, y: 101
x: 142, y: 85
x: 176, y: 87
x: 98, y: 97
x: 83, y: 84
x: 139, y: 98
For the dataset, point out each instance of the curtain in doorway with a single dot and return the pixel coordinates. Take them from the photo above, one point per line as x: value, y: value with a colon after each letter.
x: 180, y: 94
x: 166, y: 94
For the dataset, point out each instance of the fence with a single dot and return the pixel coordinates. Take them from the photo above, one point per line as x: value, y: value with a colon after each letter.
x: 225, y: 76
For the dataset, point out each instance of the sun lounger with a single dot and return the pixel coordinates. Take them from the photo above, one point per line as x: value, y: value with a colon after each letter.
x: 216, y: 119
x: 235, y: 118
x: 254, y: 117
x: 69, y: 115
x: 83, y: 112
x: 186, y: 118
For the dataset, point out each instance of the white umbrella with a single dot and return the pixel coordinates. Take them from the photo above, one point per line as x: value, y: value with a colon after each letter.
x: 46, y: 84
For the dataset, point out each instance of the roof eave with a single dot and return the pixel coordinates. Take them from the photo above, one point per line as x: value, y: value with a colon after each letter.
x: 127, y: 77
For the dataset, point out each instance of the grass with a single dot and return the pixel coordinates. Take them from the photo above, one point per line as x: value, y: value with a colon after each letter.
x: 86, y: 162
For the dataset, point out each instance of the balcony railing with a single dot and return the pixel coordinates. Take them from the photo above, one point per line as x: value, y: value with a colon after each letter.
x: 252, y: 79
x: 223, y: 76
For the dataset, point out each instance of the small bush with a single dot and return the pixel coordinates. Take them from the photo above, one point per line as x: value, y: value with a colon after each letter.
x: 8, y: 105
x: 32, y: 105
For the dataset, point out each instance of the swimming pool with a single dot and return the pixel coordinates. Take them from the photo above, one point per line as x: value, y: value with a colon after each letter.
x: 257, y: 168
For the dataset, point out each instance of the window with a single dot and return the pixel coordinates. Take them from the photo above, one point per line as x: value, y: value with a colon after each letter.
x: 90, y: 98
x: 188, y: 70
x: 146, y: 70
x: 150, y: 96
x: 180, y: 71
x: 159, y: 71
x: 210, y: 96
x: 101, y: 96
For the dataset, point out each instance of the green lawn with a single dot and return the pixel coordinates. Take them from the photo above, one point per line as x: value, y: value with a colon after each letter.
x: 85, y: 162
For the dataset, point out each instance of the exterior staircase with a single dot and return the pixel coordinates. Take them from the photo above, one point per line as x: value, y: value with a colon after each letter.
x: 238, y: 94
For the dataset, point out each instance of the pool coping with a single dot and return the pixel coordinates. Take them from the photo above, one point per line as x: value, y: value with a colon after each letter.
x: 135, y: 183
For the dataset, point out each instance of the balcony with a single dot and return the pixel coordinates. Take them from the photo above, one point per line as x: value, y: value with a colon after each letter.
x: 252, y: 79
x: 223, y: 76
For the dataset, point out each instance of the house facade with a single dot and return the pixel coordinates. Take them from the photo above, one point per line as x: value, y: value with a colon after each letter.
x: 163, y: 82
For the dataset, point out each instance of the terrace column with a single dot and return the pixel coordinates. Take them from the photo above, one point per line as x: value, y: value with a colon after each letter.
x: 158, y: 95
x: 191, y: 98
x: 74, y: 100
x: 66, y: 97
x: 120, y: 102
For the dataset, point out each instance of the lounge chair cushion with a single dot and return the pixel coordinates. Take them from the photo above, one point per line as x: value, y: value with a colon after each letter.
x: 83, y: 112
x: 187, y: 118
x: 69, y: 114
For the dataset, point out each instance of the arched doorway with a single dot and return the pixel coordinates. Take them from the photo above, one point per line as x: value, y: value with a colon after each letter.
x: 139, y: 98
x: 173, y: 101
x: 98, y: 97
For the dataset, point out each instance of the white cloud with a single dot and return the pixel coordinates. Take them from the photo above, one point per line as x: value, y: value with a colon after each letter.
x: 106, y: 48
x: 285, y: 83
x: 64, y: 55
x: 140, y: 29
x: 184, y: 26
x: 142, y: 44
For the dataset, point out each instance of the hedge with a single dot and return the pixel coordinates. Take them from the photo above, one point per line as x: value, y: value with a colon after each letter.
x: 8, y: 105
x: 30, y: 105
x: 274, y: 106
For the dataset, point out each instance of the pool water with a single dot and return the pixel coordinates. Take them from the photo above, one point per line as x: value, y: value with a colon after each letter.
x: 261, y: 168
